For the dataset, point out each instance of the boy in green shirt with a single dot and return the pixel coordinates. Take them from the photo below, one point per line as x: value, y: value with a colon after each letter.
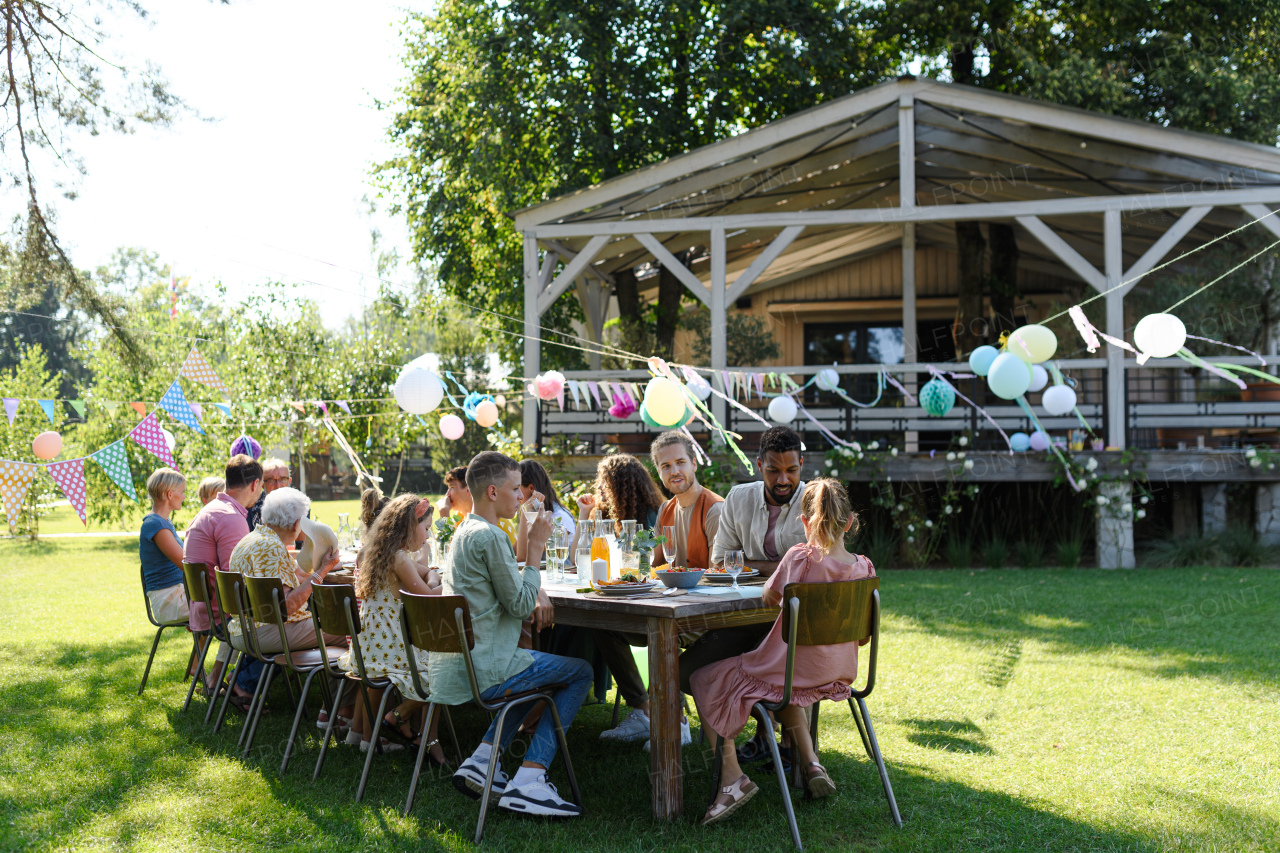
x: 500, y: 595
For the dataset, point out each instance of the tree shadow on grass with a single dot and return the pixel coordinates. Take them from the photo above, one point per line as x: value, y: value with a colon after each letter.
x: 948, y: 735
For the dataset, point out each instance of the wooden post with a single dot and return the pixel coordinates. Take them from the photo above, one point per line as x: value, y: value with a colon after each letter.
x: 1115, y: 527
x: 664, y: 719
x: 910, y: 343
x: 532, y: 348
x: 719, y: 348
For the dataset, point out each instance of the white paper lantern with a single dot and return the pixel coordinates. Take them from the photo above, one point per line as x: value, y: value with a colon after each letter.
x: 782, y: 409
x: 418, y: 390
x: 1039, y: 378
x: 828, y: 379
x: 1160, y: 335
x: 1059, y: 400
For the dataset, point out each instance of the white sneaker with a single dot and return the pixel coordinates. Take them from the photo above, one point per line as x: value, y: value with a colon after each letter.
x: 634, y: 727
x: 469, y: 779
x: 538, y: 797
x: 686, y: 736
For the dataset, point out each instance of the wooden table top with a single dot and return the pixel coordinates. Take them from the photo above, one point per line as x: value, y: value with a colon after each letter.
x: 692, y: 611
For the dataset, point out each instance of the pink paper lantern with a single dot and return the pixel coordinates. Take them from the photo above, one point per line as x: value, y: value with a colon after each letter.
x: 452, y: 427
x: 47, y: 445
x: 549, y: 385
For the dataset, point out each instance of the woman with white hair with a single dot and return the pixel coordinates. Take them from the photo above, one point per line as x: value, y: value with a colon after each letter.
x: 264, y: 554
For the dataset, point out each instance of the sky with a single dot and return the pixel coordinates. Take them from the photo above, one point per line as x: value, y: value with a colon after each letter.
x: 269, y: 185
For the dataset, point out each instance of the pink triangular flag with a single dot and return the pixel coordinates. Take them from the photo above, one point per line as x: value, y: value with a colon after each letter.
x: 344, y: 406
x: 15, y: 479
x: 594, y: 388
x: 725, y: 384
x: 323, y: 407
x: 11, y: 408
x: 69, y: 476
x: 617, y: 389
x: 150, y: 435
x: 759, y: 380
x: 198, y: 409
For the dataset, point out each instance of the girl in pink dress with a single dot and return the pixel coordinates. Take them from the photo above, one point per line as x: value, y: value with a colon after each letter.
x: 726, y: 691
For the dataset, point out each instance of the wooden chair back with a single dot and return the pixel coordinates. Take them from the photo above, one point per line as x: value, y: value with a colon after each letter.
x: 431, y: 624
x: 830, y: 613
x: 196, y: 578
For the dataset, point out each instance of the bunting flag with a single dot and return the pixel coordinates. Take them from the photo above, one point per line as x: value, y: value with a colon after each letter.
x: 69, y: 476
x: 49, y: 406
x: 323, y: 407
x: 225, y: 408
x: 725, y: 385
x: 759, y: 380
x: 197, y: 369
x: 150, y: 436
x: 297, y: 404
x: 342, y: 404
x: 11, y: 408
x: 111, y: 406
x: 248, y: 407
x: 175, y: 403
x: 140, y: 408
x: 15, y: 479
x: 594, y: 388
x: 196, y: 409
x: 77, y: 406
x: 114, y: 461
x: 573, y: 389
x: 614, y: 390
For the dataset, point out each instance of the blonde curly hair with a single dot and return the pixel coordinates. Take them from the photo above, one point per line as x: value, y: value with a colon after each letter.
x: 392, y: 532
x: 624, y: 490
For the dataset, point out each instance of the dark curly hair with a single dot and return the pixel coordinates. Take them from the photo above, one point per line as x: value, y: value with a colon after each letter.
x: 780, y: 439
x: 624, y: 490
x: 392, y: 532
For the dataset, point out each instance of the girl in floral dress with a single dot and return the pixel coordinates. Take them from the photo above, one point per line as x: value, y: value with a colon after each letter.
x: 727, y: 690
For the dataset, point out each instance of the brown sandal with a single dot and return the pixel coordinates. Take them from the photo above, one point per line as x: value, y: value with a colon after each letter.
x: 817, y: 782
x: 739, y: 792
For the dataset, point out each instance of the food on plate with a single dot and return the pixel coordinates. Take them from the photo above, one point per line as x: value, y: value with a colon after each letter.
x: 678, y: 569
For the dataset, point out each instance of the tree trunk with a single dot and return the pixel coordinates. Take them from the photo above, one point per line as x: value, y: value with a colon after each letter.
x: 969, y: 329
x: 670, y: 293
x: 1003, y: 282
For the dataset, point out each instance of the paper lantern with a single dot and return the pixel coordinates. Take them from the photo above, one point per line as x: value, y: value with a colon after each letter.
x: 1160, y: 335
x: 246, y: 445
x: 828, y: 379
x: 1020, y: 441
x: 1009, y: 376
x: 549, y: 385
x: 1058, y: 400
x: 980, y: 359
x: 648, y: 418
x: 169, y: 439
x: 1039, y: 378
x: 1039, y: 441
x: 47, y: 445
x: 487, y: 414
x: 1032, y: 343
x: 937, y: 397
x: 452, y: 427
x: 623, y: 406
x: 417, y: 390
x: 664, y: 401
x: 700, y: 387
x: 783, y: 409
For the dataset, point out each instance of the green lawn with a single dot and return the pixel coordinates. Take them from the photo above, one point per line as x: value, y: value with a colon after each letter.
x: 1018, y: 710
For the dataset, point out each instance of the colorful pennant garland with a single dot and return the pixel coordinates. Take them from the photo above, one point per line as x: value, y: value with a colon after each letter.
x: 15, y: 479
x: 69, y: 476
x: 197, y: 369
x: 150, y: 435
x: 175, y: 403
x: 114, y: 461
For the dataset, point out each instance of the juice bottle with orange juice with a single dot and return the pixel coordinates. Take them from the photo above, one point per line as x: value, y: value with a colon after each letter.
x: 600, y: 543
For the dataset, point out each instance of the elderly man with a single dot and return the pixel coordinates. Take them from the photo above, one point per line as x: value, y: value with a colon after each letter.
x: 275, y: 475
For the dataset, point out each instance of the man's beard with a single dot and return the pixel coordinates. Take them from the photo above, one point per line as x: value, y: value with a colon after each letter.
x: 783, y: 498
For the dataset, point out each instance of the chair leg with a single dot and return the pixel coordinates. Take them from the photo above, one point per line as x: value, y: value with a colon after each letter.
x: 862, y: 729
x: 263, y: 689
x: 879, y: 759
x: 564, y: 750
x: 782, y: 784
x: 328, y: 731
x: 253, y: 704
x: 489, y: 774
x: 198, y: 676
x: 235, y: 663
x: 617, y: 700
x: 453, y: 736
x: 146, y: 672
x: 297, y: 718
x: 374, y: 743
x: 417, y: 765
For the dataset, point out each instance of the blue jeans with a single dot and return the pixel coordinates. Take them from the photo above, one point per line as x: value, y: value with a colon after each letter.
x: 546, y: 669
x: 247, y: 680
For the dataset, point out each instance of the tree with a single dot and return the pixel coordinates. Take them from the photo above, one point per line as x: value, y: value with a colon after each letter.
x: 749, y: 339
x: 509, y: 103
x: 463, y: 352
x: 29, y: 380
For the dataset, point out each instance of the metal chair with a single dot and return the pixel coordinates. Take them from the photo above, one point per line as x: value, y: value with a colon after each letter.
x: 334, y: 611
x: 821, y: 614
x: 196, y: 581
x: 266, y: 605
x: 232, y: 601
x: 160, y: 628
x: 441, y: 624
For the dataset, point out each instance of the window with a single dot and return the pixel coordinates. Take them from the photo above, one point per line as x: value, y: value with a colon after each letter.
x: 853, y: 343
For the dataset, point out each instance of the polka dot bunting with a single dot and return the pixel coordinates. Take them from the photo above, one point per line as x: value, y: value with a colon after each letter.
x: 175, y: 403
x: 197, y: 369
x: 15, y: 479
x: 150, y: 435
x: 114, y: 460
x: 69, y: 476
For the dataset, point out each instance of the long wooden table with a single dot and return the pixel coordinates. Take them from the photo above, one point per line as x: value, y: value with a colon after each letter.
x: 662, y: 620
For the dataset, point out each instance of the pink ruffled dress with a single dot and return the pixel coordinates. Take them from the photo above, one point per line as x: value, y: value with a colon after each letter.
x: 725, y: 691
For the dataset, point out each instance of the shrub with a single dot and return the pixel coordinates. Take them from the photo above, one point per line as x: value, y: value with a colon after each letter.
x: 1069, y: 553
x: 1239, y: 546
x: 1184, y: 552
x: 995, y: 552
x: 958, y: 551
x: 1029, y: 554
x: 879, y: 545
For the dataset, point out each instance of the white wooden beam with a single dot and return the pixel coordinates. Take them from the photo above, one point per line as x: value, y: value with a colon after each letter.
x: 719, y: 347
x: 549, y: 262
x: 906, y: 152
x: 762, y: 261
x: 1069, y: 256
x: 532, y: 341
x: 679, y: 270
x: 1162, y: 247
x: 910, y: 343
x: 567, y: 254
x: 1114, y: 268
x: 1138, y: 202
x: 572, y: 270
x: 1262, y: 213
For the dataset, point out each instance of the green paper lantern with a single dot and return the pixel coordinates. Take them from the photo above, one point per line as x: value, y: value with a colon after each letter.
x: 937, y: 397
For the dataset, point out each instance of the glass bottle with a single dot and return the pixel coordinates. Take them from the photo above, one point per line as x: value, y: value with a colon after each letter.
x: 600, y: 542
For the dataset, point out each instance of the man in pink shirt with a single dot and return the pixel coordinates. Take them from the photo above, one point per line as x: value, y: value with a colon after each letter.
x: 215, y: 532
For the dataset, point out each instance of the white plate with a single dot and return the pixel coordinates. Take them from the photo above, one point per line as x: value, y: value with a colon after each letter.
x: 629, y: 589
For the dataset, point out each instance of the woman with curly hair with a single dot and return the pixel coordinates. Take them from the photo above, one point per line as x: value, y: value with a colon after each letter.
x: 386, y: 567
x: 623, y: 491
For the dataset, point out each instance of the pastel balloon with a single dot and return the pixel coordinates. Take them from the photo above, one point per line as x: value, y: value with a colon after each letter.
x: 1039, y: 378
x: 452, y: 427
x: 1058, y: 400
x: 47, y: 445
x: 700, y: 387
x: 980, y: 359
x: 828, y: 379
x: 783, y: 409
x: 937, y: 397
x: 1009, y: 376
x: 487, y: 414
x: 1160, y: 335
x: 664, y: 400
x: 1032, y: 343
x: 417, y: 390
x: 1020, y: 441
x: 1039, y: 441
x: 648, y: 418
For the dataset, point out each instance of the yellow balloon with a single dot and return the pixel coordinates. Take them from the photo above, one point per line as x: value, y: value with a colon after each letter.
x: 664, y: 401
x: 1032, y: 343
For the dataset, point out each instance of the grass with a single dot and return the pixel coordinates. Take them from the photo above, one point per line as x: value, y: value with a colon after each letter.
x: 1043, y: 710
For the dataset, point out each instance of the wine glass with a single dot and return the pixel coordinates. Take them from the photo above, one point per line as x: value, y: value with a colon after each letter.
x: 733, y: 563
x: 559, y: 552
x: 669, y: 545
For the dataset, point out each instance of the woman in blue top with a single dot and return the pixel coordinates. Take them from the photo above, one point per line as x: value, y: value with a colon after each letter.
x: 160, y: 549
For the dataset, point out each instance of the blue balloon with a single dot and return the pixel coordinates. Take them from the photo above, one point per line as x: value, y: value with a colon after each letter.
x: 1009, y: 376
x: 1020, y: 442
x: 981, y: 358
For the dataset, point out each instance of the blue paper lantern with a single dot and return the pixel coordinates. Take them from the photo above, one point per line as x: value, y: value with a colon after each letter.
x: 937, y: 397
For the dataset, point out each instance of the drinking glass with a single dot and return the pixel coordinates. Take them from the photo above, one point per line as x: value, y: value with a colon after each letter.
x: 733, y: 562
x: 558, y: 553
x: 669, y: 546
x: 583, y: 562
x: 531, y: 509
